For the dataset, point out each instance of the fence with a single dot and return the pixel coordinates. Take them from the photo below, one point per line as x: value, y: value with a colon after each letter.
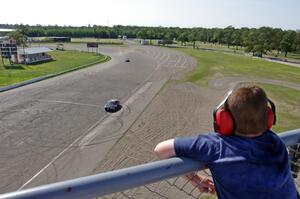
x: 135, y: 182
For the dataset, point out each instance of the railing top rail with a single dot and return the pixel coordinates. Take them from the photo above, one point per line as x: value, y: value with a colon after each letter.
x: 123, y: 179
x: 290, y: 137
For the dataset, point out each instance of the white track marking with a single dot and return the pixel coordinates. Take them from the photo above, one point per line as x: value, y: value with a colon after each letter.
x: 66, y: 102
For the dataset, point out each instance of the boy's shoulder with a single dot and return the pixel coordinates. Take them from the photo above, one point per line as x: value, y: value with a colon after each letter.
x: 266, y: 140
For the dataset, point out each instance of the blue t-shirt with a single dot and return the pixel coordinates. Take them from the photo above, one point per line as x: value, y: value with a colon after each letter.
x: 243, y: 167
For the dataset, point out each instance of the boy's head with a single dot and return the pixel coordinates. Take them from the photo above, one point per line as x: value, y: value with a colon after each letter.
x: 249, y: 108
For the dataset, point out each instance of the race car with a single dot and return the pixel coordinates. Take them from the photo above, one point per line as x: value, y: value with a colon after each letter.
x: 112, y: 106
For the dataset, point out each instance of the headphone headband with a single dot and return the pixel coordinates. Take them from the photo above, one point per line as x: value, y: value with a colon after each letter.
x: 273, y: 109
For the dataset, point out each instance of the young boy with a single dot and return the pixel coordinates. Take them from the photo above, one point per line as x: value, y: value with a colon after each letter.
x: 251, y: 162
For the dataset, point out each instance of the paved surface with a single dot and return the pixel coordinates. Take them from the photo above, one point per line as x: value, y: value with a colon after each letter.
x: 283, y: 62
x: 57, y: 129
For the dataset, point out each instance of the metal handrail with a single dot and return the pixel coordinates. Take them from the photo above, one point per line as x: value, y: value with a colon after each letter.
x: 123, y: 179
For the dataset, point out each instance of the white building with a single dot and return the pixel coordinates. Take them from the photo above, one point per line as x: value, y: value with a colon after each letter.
x: 32, y: 55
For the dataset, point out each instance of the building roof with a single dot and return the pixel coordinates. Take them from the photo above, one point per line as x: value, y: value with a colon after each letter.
x: 34, y: 50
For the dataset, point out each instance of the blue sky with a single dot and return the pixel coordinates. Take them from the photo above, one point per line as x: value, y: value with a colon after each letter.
x: 183, y: 13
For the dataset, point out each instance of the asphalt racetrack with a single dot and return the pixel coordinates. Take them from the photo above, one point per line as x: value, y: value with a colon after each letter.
x: 57, y: 129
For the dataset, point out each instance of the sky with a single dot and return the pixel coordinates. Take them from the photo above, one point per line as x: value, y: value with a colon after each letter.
x: 283, y: 14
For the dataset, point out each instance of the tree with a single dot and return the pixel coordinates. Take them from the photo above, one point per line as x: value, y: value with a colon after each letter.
x: 276, y: 38
x: 18, y: 36
x: 250, y: 41
x: 183, y: 38
x: 244, y: 36
x: 192, y: 37
x: 204, y: 35
x: 257, y: 41
x: 263, y: 40
x: 236, y: 37
x: 142, y: 34
x: 298, y: 42
x: 167, y: 39
x: 218, y: 35
x: 287, y: 43
x: 228, y: 31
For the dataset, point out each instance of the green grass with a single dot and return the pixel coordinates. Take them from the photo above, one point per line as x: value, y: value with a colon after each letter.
x: 63, y: 60
x: 295, y: 56
x: 100, y: 41
x: 287, y: 102
x: 217, y: 64
x: 291, y: 56
x: 211, y: 63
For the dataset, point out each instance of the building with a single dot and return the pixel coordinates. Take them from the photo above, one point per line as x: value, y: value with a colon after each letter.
x: 32, y: 55
x: 8, y: 48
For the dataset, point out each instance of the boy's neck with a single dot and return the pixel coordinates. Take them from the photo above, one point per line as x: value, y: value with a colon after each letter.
x: 248, y: 135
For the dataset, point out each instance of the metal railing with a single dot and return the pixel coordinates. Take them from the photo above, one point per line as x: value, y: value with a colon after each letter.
x: 128, y: 178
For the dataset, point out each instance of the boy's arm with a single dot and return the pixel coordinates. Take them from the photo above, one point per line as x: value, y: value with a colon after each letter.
x: 165, y: 149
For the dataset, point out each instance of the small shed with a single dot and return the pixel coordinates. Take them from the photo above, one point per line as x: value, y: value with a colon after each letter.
x: 32, y: 55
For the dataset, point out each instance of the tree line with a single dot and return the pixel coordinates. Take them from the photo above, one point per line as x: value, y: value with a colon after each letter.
x: 255, y: 40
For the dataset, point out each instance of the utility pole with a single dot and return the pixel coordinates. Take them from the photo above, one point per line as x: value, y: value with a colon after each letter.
x: 24, y: 54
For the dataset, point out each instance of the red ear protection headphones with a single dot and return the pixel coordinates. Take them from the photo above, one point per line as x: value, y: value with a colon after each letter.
x: 224, y: 122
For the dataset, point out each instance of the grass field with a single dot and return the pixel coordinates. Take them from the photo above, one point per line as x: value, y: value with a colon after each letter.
x: 217, y: 64
x: 63, y: 60
x: 287, y: 102
x: 211, y: 63
x: 100, y: 41
x: 291, y: 56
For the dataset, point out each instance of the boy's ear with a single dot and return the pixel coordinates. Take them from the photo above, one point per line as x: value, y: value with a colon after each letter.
x: 224, y: 122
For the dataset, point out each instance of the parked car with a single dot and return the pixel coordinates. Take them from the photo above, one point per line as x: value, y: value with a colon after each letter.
x: 127, y: 60
x: 112, y: 106
x: 59, y: 46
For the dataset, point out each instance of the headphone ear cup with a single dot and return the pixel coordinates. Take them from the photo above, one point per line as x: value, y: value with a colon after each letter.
x: 271, y: 118
x: 224, y: 122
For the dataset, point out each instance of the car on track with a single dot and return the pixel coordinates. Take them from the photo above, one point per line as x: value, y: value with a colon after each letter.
x: 112, y: 106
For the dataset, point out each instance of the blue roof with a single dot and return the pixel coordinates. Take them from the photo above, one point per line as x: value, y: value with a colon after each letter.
x: 34, y: 50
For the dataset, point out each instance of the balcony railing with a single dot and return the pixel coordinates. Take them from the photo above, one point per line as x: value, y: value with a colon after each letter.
x: 124, y: 179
